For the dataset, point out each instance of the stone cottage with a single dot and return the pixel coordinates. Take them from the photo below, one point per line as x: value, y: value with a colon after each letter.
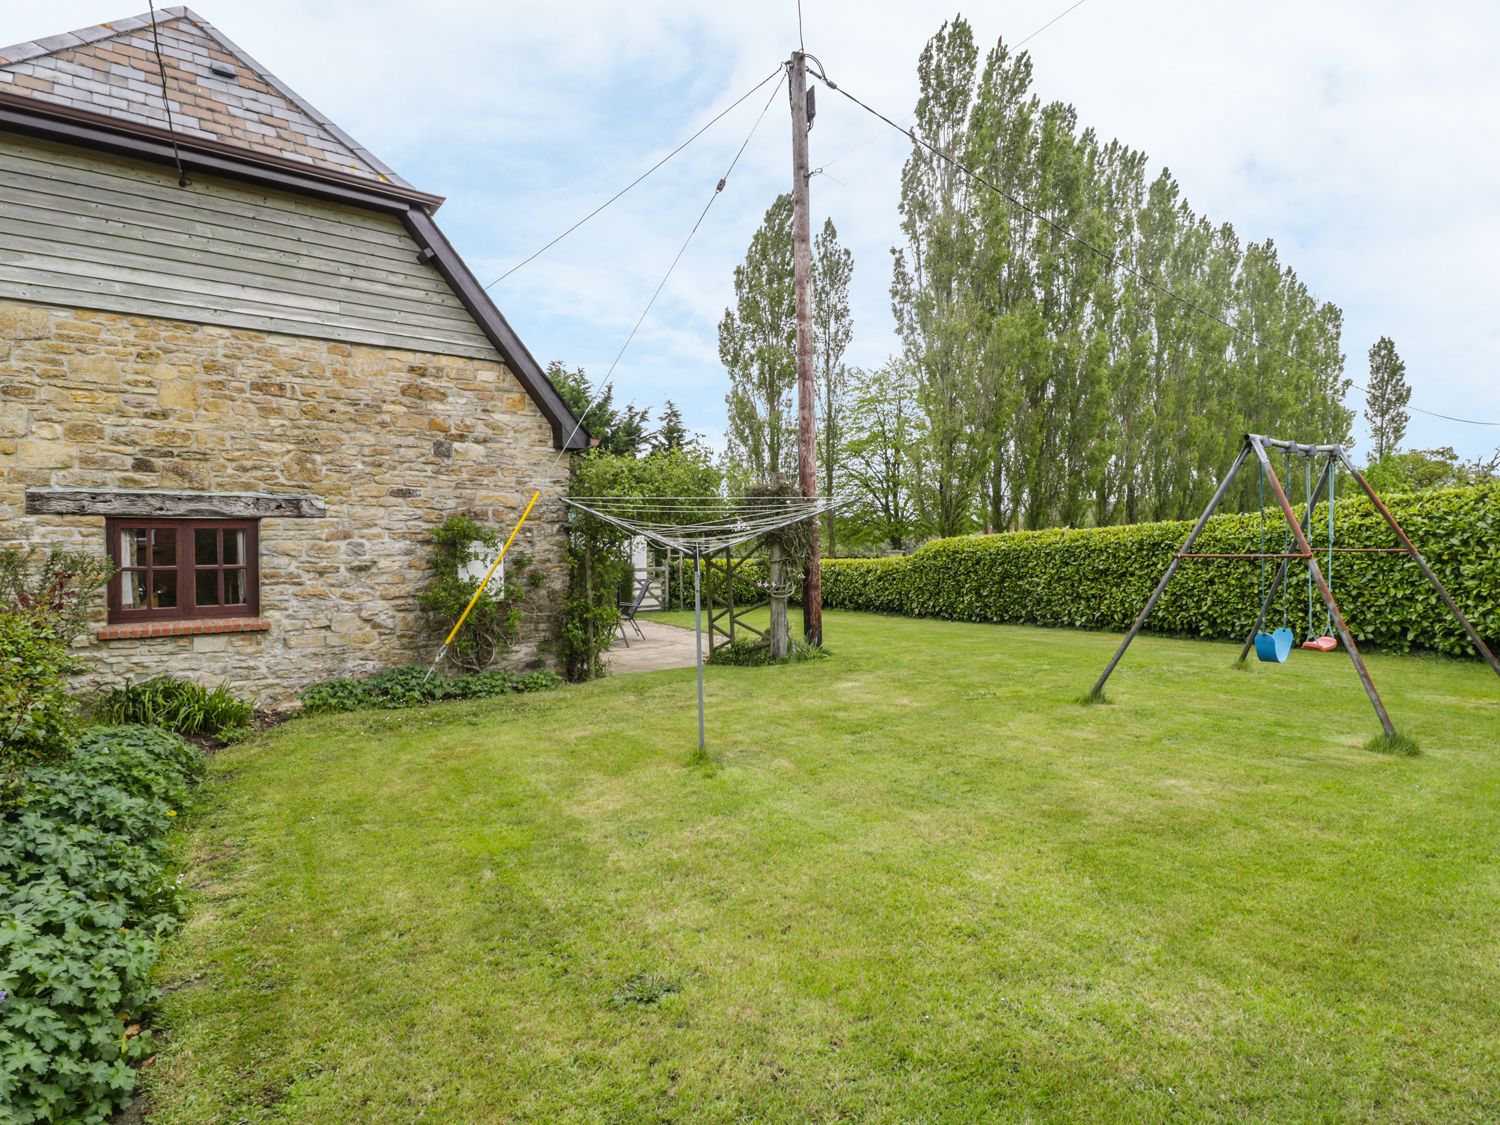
x: 237, y: 353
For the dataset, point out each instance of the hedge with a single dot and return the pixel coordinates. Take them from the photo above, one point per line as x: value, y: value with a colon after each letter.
x: 1098, y: 578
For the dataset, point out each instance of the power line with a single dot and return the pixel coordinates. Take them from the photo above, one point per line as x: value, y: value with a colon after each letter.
x: 605, y: 383
x: 166, y: 102
x: 1107, y: 256
x: 1014, y: 47
x: 1046, y: 25
x: 715, y: 120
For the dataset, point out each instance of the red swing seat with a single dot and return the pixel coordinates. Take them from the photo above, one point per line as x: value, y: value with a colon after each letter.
x: 1325, y: 643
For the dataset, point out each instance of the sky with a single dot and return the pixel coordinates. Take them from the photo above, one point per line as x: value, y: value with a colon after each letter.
x: 1357, y: 134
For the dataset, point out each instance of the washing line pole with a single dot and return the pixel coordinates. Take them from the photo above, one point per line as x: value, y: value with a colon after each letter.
x: 698, y: 634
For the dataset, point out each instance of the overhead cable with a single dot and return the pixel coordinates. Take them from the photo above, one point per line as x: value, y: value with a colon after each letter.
x: 1111, y: 258
x: 708, y: 125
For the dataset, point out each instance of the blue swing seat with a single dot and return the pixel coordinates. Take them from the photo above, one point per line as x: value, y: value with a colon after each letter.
x: 1274, y: 648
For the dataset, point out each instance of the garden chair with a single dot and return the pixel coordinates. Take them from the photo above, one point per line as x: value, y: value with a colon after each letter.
x: 628, y: 611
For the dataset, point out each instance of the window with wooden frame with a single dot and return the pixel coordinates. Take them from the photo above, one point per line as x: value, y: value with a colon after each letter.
x: 183, y: 570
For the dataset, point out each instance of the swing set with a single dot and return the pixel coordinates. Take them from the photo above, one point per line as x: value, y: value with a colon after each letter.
x: 1274, y: 647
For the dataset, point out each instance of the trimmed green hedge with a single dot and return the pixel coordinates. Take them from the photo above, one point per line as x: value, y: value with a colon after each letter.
x: 1098, y: 578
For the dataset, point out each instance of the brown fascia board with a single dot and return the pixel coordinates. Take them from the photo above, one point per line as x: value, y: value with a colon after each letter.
x: 567, y: 431
x: 97, y: 131
x: 131, y: 138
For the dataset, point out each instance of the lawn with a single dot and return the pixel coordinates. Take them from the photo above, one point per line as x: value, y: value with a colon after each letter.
x: 916, y: 882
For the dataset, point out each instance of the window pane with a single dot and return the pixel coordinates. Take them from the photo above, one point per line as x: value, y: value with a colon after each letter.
x: 234, y: 547
x: 164, y: 546
x: 205, y: 546
x: 206, y: 588
x: 163, y: 589
x: 234, y: 586
x: 134, y: 542
x: 133, y: 589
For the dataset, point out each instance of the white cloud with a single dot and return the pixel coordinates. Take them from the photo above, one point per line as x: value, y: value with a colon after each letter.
x: 1357, y: 135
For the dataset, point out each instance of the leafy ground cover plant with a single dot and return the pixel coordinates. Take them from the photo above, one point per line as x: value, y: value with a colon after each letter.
x: 86, y: 896
x: 410, y: 686
x: 175, y: 704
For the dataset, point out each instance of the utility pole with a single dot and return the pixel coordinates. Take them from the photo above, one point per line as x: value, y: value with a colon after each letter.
x: 807, y: 430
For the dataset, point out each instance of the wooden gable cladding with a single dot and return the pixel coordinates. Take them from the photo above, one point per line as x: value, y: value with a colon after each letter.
x: 94, y: 230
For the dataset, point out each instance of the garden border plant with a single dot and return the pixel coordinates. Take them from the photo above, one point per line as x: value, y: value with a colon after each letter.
x: 411, y: 686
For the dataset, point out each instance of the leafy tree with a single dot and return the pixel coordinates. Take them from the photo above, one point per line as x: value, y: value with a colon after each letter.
x: 1386, y: 398
x: 885, y: 432
x: 1059, y: 379
x: 672, y: 434
x: 934, y: 278
x: 757, y: 342
x: 833, y: 328
x: 1416, y: 470
x: 616, y: 431
x: 598, y: 562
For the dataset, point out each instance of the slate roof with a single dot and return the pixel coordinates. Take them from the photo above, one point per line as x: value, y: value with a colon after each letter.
x: 217, y: 92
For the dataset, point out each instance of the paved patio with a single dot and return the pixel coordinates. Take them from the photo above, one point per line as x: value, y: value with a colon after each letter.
x: 663, y: 646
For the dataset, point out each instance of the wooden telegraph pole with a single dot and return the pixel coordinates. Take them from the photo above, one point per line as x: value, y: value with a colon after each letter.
x: 807, y: 433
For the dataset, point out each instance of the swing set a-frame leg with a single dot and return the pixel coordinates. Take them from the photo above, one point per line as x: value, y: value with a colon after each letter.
x: 1265, y: 606
x: 1218, y: 498
x: 1474, y: 637
x: 1317, y: 575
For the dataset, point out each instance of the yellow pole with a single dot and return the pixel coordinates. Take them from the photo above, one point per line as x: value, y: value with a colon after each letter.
x: 462, y: 617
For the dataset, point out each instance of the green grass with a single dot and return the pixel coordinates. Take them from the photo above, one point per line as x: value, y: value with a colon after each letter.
x: 913, y: 882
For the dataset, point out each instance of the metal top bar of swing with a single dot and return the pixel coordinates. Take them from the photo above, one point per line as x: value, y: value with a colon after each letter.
x: 1300, y: 448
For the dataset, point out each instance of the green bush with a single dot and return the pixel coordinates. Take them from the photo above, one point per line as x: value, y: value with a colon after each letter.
x: 410, y: 686
x: 177, y: 705
x: 1098, y: 578
x: 86, y: 897
x: 491, y: 624
x: 45, y: 601
x: 744, y: 653
x: 38, y: 720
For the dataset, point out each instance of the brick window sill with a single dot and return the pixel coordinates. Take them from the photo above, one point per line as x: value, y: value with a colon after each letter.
x: 192, y: 628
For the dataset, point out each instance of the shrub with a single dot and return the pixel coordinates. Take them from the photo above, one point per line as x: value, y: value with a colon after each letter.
x: 38, y: 720
x: 410, y: 686
x: 1099, y: 578
x: 85, y: 899
x: 45, y: 600
x: 57, y: 585
x: 177, y: 705
x: 743, y: 653
x: 491, y: 625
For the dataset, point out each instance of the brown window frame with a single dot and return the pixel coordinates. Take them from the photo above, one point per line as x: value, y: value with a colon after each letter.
x: 186, y: 568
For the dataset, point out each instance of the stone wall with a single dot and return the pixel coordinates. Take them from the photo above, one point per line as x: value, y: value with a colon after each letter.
x: 393, y: 442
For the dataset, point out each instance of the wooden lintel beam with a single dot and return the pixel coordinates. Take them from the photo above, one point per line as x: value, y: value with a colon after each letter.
x: 124, y: 504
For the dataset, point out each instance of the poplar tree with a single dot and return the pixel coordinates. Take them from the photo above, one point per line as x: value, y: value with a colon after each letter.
x: 1386, y: 398
x: 833, y: 328
x: 757, y: 345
